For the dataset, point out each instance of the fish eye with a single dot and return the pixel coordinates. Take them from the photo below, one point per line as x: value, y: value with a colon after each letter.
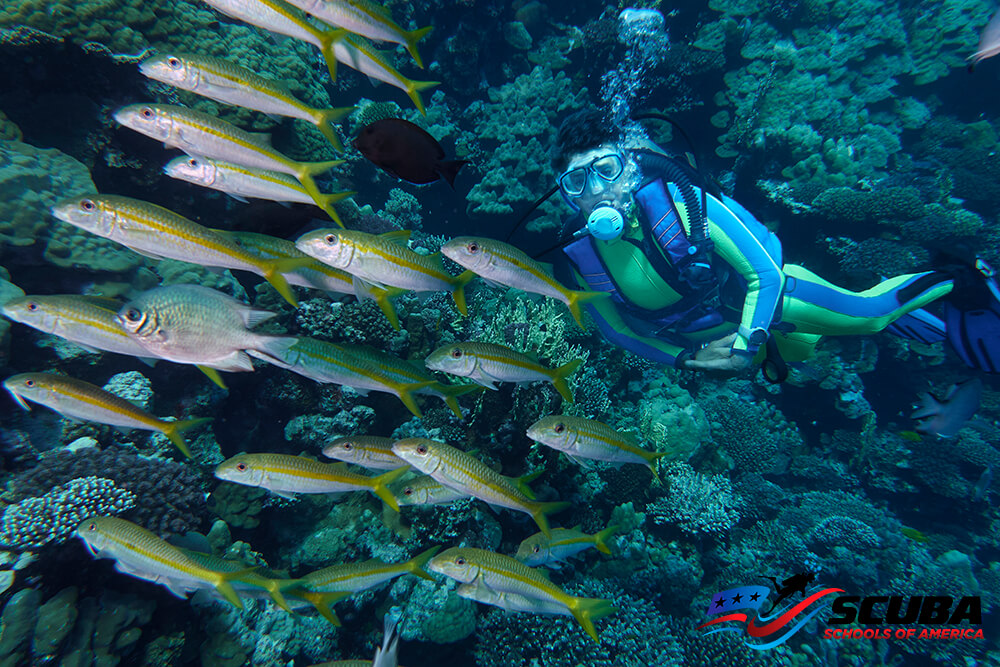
x: 193, y: 162
x: 87, y: 204
x: 421, y: 449
x: 91, y: 526
x: 29, y: 383
x: 559, y: 428
x: 132, y: 314
x: 408, y: 491
x: 459, y: 561
x: 456, y: 353
x: 348, y: 446
x: 174, y: 62
x: 32, y: 305
x: 473, y: 247
x: 536, y: 549
x: 147, y: 112
x: 331, y: 238
x: 242, y: 467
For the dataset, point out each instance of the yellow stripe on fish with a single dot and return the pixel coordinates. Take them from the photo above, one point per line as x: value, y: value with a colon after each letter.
x: 565, y: 542
x: 489, y: 363
x: 503, y: 264
x: 384, y: 259
x: 285, y: 475
x: 229, y: 83
x: 157, y: 232
x: 504, y: 574
x: 81, y: 400
x: 357, y: 577
x: 369, y: 451
x: 464, y: 472
x: 581, y: 438
x: 142, y: 554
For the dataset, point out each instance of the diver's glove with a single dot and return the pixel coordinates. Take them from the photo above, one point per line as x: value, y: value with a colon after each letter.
x: 719, y: 355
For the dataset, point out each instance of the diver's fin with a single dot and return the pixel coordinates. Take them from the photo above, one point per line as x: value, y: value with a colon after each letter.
x: 973, y: 324
x: 919, y: 325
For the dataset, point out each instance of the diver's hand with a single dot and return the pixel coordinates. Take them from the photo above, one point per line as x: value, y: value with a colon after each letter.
x: 718, y: 356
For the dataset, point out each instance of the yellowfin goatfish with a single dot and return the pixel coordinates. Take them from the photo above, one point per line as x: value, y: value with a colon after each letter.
x: 142, y: 554
x: 463, y: 472
x: 565, y: 542
x: 489, y: 363
x: 357, y: 577
x: 240, y: 182
x: 427, y: 491
x: 191, y: 324
x: 369, y: 451
x: 358, y: 53
x: 502, y: 264
x: 156, y: 232
x: 248, y: 584
x: 363, y: 369
x: 88, y: 321
x: 81, y: 400
x: 284, y: 475
x: 277, y: 16
x: 384, y: 259
x: 229, y: 83
x: 316, y: 274
x: 504, y: 574
x: 200, y: 134
x: 511, y: 602
x: 581, y: 438
x: 363, y: 18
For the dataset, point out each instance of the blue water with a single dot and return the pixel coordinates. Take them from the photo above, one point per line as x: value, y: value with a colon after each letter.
x: 854, y: 131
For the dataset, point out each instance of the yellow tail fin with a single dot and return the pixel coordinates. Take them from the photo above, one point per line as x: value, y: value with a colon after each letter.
x: 328, y: 41
x: 273, y: 271
x: 540, y: 510
x: 213, y: 375
x: 603, y: 535
x: 325, y: 118
x: 576, y: 299
x: 405, y: 394
x: 306, y: 172
x: 450, y: 392
x: 416, y: 564
x: 322, y: 602
x: 226, y: 589
x: 380, y: 486
x: 173, y: 431
x: 588, y: 610
x: 276, y: 588
x: 651, y: 459
x: 461, y: 280
x: 411, y: 39
x: 523, y: 481
x: 559, y: 376
x: 413, y: 89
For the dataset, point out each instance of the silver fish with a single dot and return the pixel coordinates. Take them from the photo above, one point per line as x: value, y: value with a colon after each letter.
x: 947, y: 417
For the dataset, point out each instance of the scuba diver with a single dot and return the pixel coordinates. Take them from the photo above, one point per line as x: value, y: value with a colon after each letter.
x: 697, y: 282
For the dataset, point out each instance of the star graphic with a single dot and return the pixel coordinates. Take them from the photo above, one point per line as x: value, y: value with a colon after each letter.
x: 753, y: 598
x: 737, y: 598
x: 720, y: 602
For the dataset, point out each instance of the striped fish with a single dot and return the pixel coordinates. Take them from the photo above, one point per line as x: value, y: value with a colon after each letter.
x: 142, y: 554
x: 286, y: 475
x: 384, y: 259
x: 565, y: 542
x: 203, y: 135
x: 77, y: 399
x: 278, y: 17
x: 358, y: 53
x: 88, y: 321
x: 156, y: 232
x: 357, y: 577
x: 504, y: 574
x: 581, y: 438
x: 229, y: 83
x: 361, y: 368
x: 369, y: 451
x: 463, y: 472
x: 366, y: 19
x: 503, y: 264
x: 316, y: 274
x: 240, y: 182
x: 489, y: 363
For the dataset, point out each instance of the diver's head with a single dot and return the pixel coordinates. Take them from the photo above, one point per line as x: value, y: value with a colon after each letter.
x: 596, y: 173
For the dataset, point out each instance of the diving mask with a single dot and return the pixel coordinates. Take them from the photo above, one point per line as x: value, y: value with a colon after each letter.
x: 607, y: 168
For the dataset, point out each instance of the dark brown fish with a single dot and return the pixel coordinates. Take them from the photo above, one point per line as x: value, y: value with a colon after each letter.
x: 406, y: 151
